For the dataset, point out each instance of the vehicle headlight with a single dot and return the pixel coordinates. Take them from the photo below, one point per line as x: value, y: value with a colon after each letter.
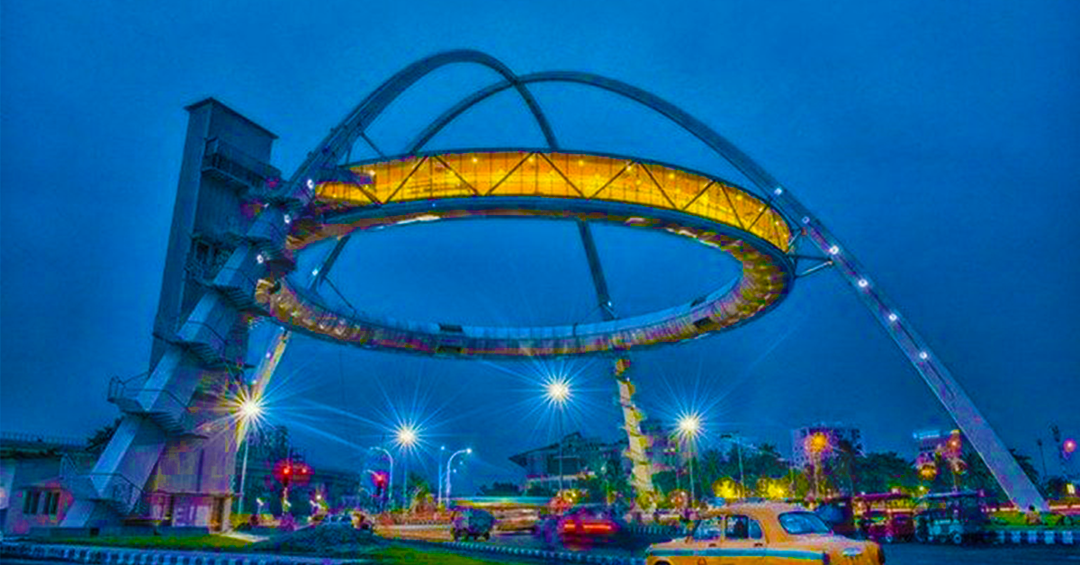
x: 851, y: 551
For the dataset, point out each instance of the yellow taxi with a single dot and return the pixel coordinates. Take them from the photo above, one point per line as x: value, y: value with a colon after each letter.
x: 763, y: 534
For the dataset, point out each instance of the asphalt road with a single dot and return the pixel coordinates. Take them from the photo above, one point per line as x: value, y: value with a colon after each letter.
x: 897, y: 554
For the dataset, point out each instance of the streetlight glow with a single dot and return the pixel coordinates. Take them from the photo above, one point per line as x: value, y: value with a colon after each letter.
x: 406, y: 436
x: 689, y: 426
x: 557, y: 391
x: 250, y: 408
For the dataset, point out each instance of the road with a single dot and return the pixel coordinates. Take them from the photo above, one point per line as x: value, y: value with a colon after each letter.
x: 898, y: 554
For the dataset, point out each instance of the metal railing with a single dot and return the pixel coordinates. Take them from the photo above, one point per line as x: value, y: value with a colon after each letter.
x: 19, y: 437
x: 235, y: 164
x: 126, y: 388
x: 120, y: 492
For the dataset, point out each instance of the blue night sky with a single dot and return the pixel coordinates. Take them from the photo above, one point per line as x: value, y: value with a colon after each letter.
x: 939, y: 141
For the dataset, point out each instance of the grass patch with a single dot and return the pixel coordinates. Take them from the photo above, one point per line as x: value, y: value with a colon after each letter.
x: 401, y: 554
x: 193, y: 543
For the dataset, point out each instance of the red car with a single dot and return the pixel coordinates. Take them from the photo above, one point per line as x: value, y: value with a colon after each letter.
x: 590, y: 524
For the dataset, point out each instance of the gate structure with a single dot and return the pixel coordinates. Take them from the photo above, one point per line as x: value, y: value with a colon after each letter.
x: 237, y: 227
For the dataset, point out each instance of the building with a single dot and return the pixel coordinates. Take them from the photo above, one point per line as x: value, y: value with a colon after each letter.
x: 947, y: 444
x: 823, y: 441
x: 32, y: 490
x: 663, y: 450
x: 581, y: 458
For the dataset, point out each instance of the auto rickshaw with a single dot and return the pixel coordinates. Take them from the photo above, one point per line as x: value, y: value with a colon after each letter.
x: 953, y: 517
x: 885, y: 517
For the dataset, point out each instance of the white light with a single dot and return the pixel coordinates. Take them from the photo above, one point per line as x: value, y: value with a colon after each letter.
x: 468, y: 451
x: 310, y: 184
x: 288, y: 219
x: 260, y: 258
x: 557, y: 391
x: 778, y: 191
x: 689, y: 426
x: 834, y: 250
x: 892, y: 317
x: 806, y: 219
x: 863, y: 283
x: 924, y: 355
x: 407, y: 436
x: 315, y: 272
x: 250, y: 409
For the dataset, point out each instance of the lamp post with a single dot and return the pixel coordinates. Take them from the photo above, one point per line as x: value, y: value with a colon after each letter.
x: 449, y: 462
x: 439, y: 479
x: 689, y: 430
x: 390, y: 478
x: 557, y: 392
x: 734, y: 438
x: 406, y: 437
x: 249, y: 410
x: 816, y: 444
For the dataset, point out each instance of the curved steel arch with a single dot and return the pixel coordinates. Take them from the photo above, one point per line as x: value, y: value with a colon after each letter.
x: 718, y: 143
x: 346, y: 133
x: 914, y: 347
x: 933, y: 371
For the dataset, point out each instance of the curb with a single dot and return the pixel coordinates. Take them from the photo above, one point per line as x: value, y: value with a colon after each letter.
x: 1037, y: 537
x: 138, y: 556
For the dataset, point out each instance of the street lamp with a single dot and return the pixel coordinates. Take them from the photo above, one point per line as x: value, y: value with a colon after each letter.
x: 689, y: 429
x: 439, y: 479
x: 734, y: 437
x: 406, y: 436
x: 557, y: 392
x: 249, y: 410
x: 817, y: 443
x: 450, y: 461
x: 390, y: 478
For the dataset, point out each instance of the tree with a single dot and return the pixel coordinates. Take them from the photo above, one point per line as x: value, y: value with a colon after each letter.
x: 882, y: 472
x: 100, y: 438
x: 417, y: 486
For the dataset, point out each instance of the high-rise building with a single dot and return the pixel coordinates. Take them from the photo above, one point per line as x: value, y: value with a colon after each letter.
x: 824, y: 441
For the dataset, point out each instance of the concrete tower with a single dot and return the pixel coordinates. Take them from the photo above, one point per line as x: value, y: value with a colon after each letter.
x: 172, y: 458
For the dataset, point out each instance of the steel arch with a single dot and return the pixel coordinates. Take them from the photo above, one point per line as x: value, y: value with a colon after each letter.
x: 346, y: 133
x: 934, y: 373
x: 919, y: 354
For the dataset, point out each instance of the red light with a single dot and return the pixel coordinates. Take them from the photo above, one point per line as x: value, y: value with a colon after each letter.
x: 286, y: 470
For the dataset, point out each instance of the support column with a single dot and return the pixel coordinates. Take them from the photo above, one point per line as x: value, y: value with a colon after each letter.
x: 175, y: 448
x: 642, y: 469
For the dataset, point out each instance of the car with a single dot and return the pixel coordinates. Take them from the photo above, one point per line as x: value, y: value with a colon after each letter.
x: 839, y: 514
x: 589, y: 524
x: 774, y: 533
x: 472, y: 523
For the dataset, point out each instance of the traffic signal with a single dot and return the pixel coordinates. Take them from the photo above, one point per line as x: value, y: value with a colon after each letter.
x: 380, y: 480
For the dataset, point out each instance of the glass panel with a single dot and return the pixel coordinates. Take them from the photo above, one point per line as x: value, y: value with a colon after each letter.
x: 708, y: 530
x: 737, y: 527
